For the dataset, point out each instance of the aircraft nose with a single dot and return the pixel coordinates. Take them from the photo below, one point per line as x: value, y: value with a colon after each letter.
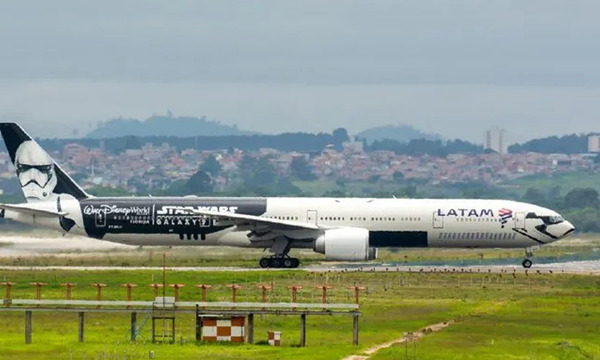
x: 570, y: 229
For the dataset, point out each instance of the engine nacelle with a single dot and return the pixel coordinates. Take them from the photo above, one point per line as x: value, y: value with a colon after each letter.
x: 348, y: 244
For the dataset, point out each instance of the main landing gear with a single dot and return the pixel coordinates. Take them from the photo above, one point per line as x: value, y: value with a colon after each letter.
x: 279, y: 262
x: 527, y: 263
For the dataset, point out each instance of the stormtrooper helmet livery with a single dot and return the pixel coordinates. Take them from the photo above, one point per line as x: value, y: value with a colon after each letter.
x: 35, y: 170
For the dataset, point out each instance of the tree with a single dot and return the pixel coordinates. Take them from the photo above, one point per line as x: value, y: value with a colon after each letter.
x: 301, y: 169
x: 340, y: 136
x: 581, y: 198
x: 534, y: 196
x: 132, y: 142
x: 373, y: 179
x: 257, y: 173
x: 341, y: 182
x: 199, y: 183
x: 211, y: 166
x: 410, y: 191
x: 398, y: 176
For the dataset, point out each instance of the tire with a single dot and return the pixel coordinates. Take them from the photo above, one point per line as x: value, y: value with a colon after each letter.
x: 288, y: 263
x: 295, y: 263
x: 527, y: 263
x: 275, y: 263
x: 264, y: 263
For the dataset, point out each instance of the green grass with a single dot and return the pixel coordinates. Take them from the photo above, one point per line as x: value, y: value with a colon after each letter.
x: 536, y: 316
x: 565, y: 182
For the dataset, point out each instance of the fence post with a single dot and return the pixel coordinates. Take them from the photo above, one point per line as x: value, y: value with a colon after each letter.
x: 133, y: 325
x: 303, y: 330
x: 81, y: 321
x: 250, y: 328
x: 28, y: 327
x: 355, y: 329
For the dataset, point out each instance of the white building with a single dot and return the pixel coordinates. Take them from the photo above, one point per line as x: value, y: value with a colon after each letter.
x: 495, y: 140
x: 594, y: 143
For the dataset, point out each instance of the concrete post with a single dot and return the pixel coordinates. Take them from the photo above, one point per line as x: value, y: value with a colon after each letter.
x: 81, y: 321
x: 302, y: 330
x: 250, y: 328
x: 133, y: 325
x: 28, y: 327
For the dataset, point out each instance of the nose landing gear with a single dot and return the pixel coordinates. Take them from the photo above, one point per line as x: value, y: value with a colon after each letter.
x: 527, y: 263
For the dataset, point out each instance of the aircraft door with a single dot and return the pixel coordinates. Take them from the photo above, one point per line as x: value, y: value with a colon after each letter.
x: 100, y: 218
x: 311, y: 216
x: 520, y: 220
x: 438, y: 221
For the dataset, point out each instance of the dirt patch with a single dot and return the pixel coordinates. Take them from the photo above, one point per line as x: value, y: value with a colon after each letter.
x: 410, y: 337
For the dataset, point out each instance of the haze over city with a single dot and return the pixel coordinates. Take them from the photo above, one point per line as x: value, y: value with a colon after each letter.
x: 273, y: 66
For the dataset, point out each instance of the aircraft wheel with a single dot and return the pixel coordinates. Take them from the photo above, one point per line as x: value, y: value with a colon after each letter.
x: 288, y: 263
x: 275, y: 263
x: 264, y: 263
x: 295, y: 263
x: 527, y: 263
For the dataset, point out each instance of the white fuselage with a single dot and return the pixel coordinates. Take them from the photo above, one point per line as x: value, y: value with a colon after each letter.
x: 452, y: 223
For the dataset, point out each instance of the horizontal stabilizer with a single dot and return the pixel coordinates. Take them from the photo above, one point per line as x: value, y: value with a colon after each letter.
x: 29, y: 210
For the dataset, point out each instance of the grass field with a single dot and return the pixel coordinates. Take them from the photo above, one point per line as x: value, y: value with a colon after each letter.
x: 497, y: 316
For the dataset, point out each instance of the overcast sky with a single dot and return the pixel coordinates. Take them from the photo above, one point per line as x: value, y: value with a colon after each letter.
x: 454, y: 68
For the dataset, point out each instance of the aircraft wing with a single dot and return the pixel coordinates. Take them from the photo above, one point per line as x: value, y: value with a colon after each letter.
x: 30, y: 210
x: 252, y: 222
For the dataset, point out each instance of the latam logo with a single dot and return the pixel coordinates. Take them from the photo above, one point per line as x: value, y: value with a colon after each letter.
x: 505, y: 215
x: 466, y: 212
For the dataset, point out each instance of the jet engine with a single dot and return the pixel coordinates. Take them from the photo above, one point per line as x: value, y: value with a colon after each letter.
x: 347, y: 244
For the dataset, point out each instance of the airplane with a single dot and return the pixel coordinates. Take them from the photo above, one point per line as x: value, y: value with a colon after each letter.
x: 344, y: 229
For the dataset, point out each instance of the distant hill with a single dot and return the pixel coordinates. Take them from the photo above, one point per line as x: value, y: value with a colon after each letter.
x: 182, y: 126
x: 568, y: 144
x: 400, y: 133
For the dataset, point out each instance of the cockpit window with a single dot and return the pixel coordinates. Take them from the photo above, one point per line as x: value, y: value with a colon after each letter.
x: 551, y: 220
x: 548, y: 220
